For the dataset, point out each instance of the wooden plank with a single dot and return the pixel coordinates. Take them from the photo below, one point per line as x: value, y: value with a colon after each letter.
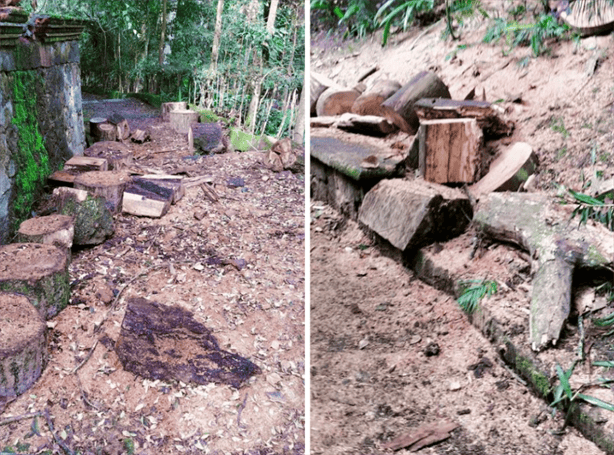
x: 449, y: 150
x: 140, y: 205
x: 86, y: 163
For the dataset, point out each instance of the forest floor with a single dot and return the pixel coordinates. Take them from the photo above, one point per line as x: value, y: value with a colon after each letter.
x: 374, y: 326
x: 241, y: 271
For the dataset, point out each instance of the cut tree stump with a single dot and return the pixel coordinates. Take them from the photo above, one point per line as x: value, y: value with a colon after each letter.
x: 335, y: 101
x: 365, y: 124
x: 317, y: 85
x: 423, y: 85
x: 140, y: 136
x: 509, y: 171
x: 56, y: 230
x: 172, y: 182
x: 107, y: 132
x: 207, y: 138
x: 487, y: 117
x: 108, y: 184
x: 145, y: 198
x: 160, y: 342
x: 413, y: 213
x: 40, y: 272
x: 372, y: 105
x: 23, y: 348
x: 121, y: 125
x: 118, y: 155
x: 182, y: 119
x: 95, y: 123
x: 86, y: 164
x: 168, y: 107
x: 590, y: 21
x: 63, y: 178
x: 541, y: 226
x: 92, y: 219
x: 450, y: 150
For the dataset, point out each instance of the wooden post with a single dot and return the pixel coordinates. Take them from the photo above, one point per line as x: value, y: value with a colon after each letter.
x: 450, y: 150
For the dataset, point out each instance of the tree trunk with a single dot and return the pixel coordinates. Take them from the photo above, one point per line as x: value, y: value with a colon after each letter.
x: 216, y: 35
x: 270, y: 23
x: 108, y: 184
x: 250, y: 120
x: 56, y: 230
x: 162, y: 34
x: 299, y: 129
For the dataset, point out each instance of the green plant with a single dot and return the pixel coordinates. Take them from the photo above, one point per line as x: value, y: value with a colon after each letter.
x: 472, y: 292
x: 600, y: 208
x: 557, y: 124
x: 406, y: 10
x: 563, y: 393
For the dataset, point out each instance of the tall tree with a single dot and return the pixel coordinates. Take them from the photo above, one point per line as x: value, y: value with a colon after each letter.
x: 270, y: 23
x: 216, y: 35
x: 162, y: 35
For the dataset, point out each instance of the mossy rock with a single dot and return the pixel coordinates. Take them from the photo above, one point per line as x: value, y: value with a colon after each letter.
x: 243, y: 142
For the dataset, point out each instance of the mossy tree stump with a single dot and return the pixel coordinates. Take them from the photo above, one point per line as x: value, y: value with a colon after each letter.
x: 23, y: 350
x: 108, y: 184
x: 92, y: 219
x: 56, y: 230
x: 40, y: 272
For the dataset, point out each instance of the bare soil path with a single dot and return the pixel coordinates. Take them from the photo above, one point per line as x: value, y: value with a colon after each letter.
x: 239, y: 267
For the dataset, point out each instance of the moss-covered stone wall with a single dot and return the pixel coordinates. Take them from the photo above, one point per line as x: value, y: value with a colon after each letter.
x: 41, y: 122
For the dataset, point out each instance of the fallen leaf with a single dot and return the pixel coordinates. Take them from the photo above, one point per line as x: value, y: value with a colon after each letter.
x: 423, y: 436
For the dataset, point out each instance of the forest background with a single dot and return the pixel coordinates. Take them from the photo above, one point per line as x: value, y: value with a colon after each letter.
x: 241, y: 60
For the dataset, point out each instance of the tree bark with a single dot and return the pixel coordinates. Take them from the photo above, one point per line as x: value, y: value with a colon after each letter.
x: 162, y: 34
x: 216, y: 35
x: 270, y: 23
x: 299, y: 128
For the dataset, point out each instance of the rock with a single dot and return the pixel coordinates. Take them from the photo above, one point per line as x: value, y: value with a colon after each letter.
x: 166, y: 343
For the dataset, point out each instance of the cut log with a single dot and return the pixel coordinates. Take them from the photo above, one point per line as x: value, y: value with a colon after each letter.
x: 145, y: 198
x: 541, y: 226
x: 92, y: 219
x: 23, y: 348
x: 172, y: 182
x: 95, y: 123
x: 509, y: 171
x: 365, y: 124
x: 86, y: 164
x: 56, y: 230
x: 450, y: 150
x: 160, y: 342
x: 317, y: 85
x: 63, y: 178
x: 413, y: 213
x: 373, y: 105
x: 422, y: 85
x: 182, y: 119
x: 121, y: 125
x: 108, y: 184
x: 168, y: 107
x: 281, y: 156
x: 107, y: 132
x: 323, y: 122
x: 118, y: 155
x: 140, y: 136
x: 40, y: 272
x: 487, y: 117
x: 207, y: 138
x: 383, y: 87
x: 336, y: 101
x: 589, y: 21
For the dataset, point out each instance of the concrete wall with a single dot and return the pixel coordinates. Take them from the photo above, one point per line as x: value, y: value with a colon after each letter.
x: 41, y: 122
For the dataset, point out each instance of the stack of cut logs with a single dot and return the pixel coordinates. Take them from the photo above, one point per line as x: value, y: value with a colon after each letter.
x: 448, y: 135
x: 115, y: 128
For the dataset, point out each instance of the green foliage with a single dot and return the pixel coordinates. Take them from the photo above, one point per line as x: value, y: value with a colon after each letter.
x: 558, y: 125
x: 472, y: 292
x: 533, y: 34
x: 129, y: 446
x: 563, y: 393
x: 31, y: 158
x: 403, y: 13
x: 600, y: 208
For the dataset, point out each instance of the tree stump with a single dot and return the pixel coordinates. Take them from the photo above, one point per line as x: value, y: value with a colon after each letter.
x: 182, y: 119
x: 168, y: 107
x: 121, y: 126
x: 23, y: 348
x: 95, y: 123
x: 56, y: 230
x: 86, y: 164
x: 140, y: 136
x: 118, y: 155
x: 107, y: 132
x: 92, y: 219
x: 336, y: 101
x: 108, y: 184
x: 422, y: 85
x: 40, y: 272
x: 166, y: 343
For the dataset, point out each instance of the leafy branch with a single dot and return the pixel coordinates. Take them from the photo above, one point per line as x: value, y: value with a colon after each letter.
x: 600, y: 208
x: 473, y: 291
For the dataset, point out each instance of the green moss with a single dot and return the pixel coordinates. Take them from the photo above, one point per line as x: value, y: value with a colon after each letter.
x: 595, y: 258
x: 129, y: 446
x: 538, y: 380
x: 242, y: 141
x: 31, y: 158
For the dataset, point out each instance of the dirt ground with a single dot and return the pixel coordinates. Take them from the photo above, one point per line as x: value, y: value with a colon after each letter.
x: 373, y: 325
x: 240, y: 269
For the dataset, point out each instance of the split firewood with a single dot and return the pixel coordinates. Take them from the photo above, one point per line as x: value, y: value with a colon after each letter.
x: 23, y: 347
x: 172, y: 182
x: 40, y: 272
x: 145, y: 198
x: 423, y: 436
x: 423, y: 85
x: 63, y: 178
x: 210, y: 193
x: 484, y: 112
x: 280, y: 156
x: 195, y: 181
x: 93, y: 222
x: 121, y: 124
x: 140, y: 136
x: 371, y: 125
x: 541, y: 226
